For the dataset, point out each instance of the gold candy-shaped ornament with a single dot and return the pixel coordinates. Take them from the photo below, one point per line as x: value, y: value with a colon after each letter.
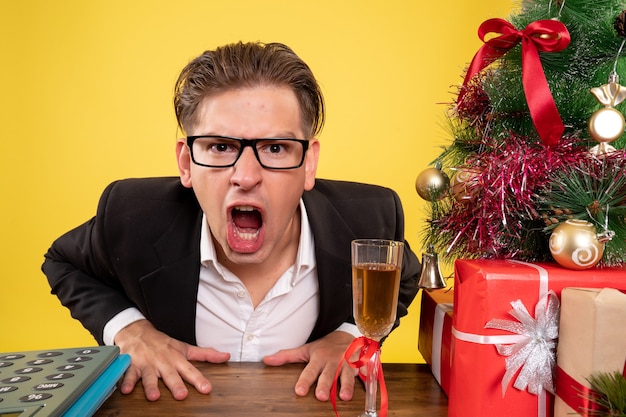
x: 607, y: 123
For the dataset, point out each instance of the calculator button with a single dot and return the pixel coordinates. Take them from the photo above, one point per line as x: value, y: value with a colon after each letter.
x: 4, y: 364
x: 30, y: 370
x: 87, y: 352
x: 62, y: 375
x: 47, y: 386
x: 78, y: 359
x: 11, y: 357
x: 35, y: 397
x: 71, y: 367
x: 15, y: 379
x: 39, y: 362
x: 7, y: 388
x: 49, y: 354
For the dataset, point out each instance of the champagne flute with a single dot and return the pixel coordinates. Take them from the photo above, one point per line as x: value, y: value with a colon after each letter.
x: 376, y: 265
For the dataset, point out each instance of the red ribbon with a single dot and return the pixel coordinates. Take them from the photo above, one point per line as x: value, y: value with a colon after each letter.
x: 368, y: 348
x: 541, y: 35
x: 577, y: 396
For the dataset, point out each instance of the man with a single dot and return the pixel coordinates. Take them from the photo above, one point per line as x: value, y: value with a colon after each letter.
x: 245, y: 257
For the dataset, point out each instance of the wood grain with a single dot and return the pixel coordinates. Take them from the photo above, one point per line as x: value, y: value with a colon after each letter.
x: 252, y: 389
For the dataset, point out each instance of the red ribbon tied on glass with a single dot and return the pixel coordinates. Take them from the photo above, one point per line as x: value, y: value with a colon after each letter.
x: 539, y: 36
x: 368, y: 348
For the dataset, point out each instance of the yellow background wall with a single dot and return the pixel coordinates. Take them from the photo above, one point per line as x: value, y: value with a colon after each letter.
x: 85, y: 98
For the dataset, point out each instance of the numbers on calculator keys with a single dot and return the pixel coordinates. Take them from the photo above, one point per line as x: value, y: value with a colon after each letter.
x: 29, y: 370
x: 70, y: 367
x: 88, y: 352
x: 62, y: 375
x: 39, y: 362
x: 49, y: 354
x: 48, y: 386
x: 15, y: 379
x: 11, y: 357
x: 35, y: 397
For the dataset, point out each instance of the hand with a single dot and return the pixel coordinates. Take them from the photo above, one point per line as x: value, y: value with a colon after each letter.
x: 323, y: 356
x: 155, y: 355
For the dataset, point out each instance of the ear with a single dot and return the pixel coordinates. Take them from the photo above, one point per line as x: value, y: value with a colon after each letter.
x: 184, y: 162
x: 310, y: 163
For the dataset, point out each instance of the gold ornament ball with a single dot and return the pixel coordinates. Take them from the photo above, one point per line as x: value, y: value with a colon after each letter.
x: 574, y: 245
x: 431, y: 184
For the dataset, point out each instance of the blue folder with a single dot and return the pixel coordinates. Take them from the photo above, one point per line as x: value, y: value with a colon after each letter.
x: 101, y: 389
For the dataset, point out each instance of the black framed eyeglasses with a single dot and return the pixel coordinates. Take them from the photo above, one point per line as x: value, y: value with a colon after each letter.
x: 224, y: 151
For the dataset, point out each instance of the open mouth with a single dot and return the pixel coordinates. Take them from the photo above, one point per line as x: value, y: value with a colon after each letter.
x: 247, y: 221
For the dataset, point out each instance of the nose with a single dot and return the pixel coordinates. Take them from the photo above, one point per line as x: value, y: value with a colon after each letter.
x: 247, y: 170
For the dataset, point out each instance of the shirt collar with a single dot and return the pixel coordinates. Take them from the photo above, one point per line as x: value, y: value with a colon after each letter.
x: 305, y: 259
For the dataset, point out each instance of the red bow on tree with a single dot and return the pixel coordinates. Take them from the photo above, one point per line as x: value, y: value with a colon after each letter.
x: 542, y: 35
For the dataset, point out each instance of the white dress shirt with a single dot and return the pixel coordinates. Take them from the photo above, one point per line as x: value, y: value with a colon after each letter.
x: 225, y: 317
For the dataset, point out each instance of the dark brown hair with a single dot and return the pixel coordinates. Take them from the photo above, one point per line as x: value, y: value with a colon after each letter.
x: 242, y: 65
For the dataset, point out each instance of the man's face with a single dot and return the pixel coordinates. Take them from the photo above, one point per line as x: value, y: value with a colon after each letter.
x: 252, y: 211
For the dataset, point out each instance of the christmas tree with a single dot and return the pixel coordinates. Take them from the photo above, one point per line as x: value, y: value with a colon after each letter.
x: 536, y: 162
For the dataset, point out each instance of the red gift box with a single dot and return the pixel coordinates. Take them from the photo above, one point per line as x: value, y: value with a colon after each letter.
x: 484, y: 290
x: 435, y: 333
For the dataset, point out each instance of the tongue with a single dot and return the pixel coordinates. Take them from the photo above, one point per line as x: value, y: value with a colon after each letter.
x: 247, y: 219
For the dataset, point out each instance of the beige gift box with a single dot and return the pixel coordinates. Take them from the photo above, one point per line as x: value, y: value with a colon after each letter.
x: 592, y: 339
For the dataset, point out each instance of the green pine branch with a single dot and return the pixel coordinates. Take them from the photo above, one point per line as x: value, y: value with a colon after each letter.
x: 610, y: 391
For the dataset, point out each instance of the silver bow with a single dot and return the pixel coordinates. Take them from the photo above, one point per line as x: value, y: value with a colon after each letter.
x: 535, y: 354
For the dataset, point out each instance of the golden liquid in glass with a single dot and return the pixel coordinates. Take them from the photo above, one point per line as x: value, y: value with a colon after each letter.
x: 375, y: 289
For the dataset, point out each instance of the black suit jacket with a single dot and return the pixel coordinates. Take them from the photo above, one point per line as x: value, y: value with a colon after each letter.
x: 142, y: 249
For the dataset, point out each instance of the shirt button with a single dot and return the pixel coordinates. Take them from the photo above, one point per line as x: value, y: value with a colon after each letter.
x: 250, y: 336
x: 241, y: 293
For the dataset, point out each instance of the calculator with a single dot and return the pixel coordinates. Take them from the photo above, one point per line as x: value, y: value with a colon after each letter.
x: 59, y: 382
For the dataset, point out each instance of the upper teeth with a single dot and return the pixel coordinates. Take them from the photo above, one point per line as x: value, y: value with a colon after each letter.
x: 244, y: 208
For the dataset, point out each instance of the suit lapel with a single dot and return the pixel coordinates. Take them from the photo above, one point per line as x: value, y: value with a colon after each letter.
x: 332, y: 251
x: 171, y: 291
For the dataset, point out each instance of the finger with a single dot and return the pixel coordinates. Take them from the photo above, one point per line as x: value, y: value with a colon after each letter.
x: 131, y: 377
x: 192, y: 375
x: 282, y: 357
x: 346, y: 379
x: 325, y: 382
x: 307, y: 378
x: 195, y: 353
x: 174, y: 383
x: 150, y: 381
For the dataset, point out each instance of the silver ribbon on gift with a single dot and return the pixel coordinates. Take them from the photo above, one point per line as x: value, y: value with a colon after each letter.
x: 535, y: 353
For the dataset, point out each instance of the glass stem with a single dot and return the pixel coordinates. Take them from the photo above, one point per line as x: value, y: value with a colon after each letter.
x: 371, y: 385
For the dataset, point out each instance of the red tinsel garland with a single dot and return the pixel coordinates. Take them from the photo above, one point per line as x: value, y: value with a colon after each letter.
x: 502, y: 195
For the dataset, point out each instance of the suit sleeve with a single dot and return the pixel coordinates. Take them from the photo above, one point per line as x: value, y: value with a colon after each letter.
x: 81, y: 276
x: 411, y: 267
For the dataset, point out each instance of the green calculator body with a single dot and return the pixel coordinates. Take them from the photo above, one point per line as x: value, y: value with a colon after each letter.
x: 58, y: 382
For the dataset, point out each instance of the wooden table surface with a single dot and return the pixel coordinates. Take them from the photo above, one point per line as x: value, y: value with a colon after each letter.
x: 252, y: 389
